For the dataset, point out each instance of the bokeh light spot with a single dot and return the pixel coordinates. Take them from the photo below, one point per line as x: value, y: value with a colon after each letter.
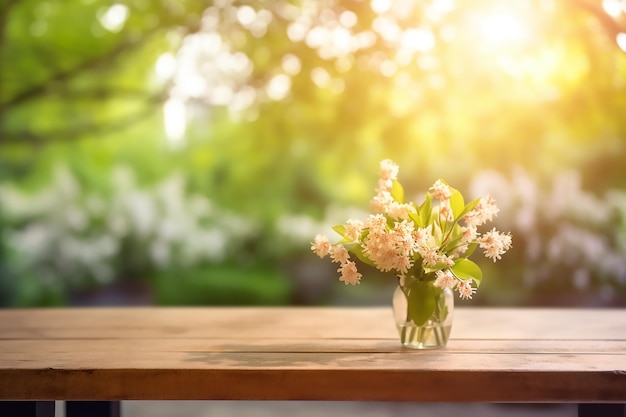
x: 348, y: 19
x: 279, y: 87
x: 613, y: 7
x: 621, y: 41
x: 246, y: 15
x: 291, y: 64
x: 381, y: 6
x: 114, y: 18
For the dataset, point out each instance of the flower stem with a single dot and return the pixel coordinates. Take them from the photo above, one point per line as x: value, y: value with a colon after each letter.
x: 438, y: 335
x: 412, y: 335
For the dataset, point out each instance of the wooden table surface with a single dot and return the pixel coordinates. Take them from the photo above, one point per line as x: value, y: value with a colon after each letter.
x: 494, y: 355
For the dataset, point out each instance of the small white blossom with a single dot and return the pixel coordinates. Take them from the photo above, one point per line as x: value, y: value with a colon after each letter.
x: 440, y: 191
x: 353, y: 229
x: 320, y: 245
x: 349, y: 273
x: 339, y: 254
x: 465, y: 289
x: 445, y: 279
x: 495, y: 244
x: 484, y: 212
x: 388, y: 170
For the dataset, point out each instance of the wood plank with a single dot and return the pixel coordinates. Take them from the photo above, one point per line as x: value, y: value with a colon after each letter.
x: 533, y: 355
x: 25, y: 348
x: 330, y: 385
x: 313, y: 361
x: 311, y: 322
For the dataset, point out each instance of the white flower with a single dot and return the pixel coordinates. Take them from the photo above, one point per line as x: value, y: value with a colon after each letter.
x: 339, y: 254
x: 495, y: 244
x: 388, y: 170
x: 320, y: 245
x: 353, y: 229
x: 445, y: 279
x: 349, y: 273
x: 465, y: 289
x: 440, y: 191
x: 484, y: 212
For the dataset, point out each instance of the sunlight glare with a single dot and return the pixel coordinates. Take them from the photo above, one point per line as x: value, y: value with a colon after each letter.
x: 317, y: 37
x: 175, y: 121
x: 320, y: 77
x: 297, y: 31
x: 365, y: 39
x: 612, y: 7
x: 291, y: 64
x: 381, y: 6
x: 388, y: 68
x: 621, y: 41
x: 246, y: 15
x: 443, y: 6
x: 279, y: 87
x: 387, y: 28
x: 342, y: 41
x: 421, y: 40
x: 166, y: 66
x: 114, y: 18
x: 348, y: 19
x: 221, y: 95
x: 439, y: 8
x: 503, y: 28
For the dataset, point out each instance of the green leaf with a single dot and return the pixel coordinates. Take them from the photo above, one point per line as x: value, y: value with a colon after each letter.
x: 422, y: 302
x: 426, y: 210
x: 437, y: 233
x: 453, y: 239
x: 341, y: 229
x: 416, y: 218
x: 397, y: 192
x: 469, y: 207
x: 357, y: 250
x: 457, y: 203
x: 465, y: 269
x: 470, y: 249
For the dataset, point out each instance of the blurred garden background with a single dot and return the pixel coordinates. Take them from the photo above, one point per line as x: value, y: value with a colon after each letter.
x: 186, y: 152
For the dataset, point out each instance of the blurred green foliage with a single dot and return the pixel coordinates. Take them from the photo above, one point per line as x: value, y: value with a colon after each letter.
x: 290, y: 105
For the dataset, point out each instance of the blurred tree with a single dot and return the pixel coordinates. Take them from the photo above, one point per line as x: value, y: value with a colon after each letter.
x: 80, y: 69
x: 480, y: 83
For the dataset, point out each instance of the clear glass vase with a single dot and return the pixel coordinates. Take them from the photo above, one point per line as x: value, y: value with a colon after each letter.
x: 435, y: 331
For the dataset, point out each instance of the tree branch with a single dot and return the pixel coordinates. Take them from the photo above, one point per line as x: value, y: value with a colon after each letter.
x: 77, y: 131
x: 95, y: 62
x: 101, y: 93
x: 4, y: 18
x: 612, y: 27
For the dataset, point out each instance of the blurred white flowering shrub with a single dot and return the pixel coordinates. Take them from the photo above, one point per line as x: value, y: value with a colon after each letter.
x: 70, y: 236
x: 568, y: 239
x: 73, y: 237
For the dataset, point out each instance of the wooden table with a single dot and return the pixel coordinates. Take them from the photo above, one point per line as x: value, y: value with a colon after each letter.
x: 346, y: 354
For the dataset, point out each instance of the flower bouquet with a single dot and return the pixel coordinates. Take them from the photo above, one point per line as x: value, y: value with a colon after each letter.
x: 427, y: 247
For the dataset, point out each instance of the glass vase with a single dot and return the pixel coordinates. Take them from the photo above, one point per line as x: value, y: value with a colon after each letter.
x: 432, y: 333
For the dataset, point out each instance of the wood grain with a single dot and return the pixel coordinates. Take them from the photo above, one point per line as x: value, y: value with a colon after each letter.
x: 503, y: 355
